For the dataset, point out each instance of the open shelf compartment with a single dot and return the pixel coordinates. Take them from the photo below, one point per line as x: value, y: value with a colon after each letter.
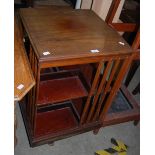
x: 120, y: 104
x: 56, y: 119
x: 61, y: 86
x: 122, y: 110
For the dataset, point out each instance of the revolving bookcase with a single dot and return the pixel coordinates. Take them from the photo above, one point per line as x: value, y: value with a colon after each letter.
x: 78, y: 66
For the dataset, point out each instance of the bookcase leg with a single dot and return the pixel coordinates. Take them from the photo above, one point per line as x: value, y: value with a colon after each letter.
x: 136, y: 122
x: 51, y: 143
x: 95, y: 132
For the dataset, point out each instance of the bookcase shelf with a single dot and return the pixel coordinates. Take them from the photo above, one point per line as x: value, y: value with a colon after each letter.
x: 60, y: 118
x: 62, y: 86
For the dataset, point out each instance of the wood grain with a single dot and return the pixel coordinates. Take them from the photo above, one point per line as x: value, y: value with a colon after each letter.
x: 61, y: 119
x: 68, y: 33
x: 60, y: 90
x: 22, y: 70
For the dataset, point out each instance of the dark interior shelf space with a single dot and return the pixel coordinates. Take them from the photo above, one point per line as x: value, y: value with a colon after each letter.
x: 61, y: 86
x: 120, y: 104
x: 79, y: 105
x: 54, y: 121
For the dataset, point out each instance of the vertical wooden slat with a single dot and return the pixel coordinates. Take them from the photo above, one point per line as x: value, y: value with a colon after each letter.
x: 34, y: 92
x: 38, y: 81
x: 33, y: 95
x: 107, y: 87
x: 136, y: 42
x: 99, y: 90
x: 112, y: 11
x: 32, y: 99
x: 85, y: 111
x: 116, y: 86
x: 30, y: 93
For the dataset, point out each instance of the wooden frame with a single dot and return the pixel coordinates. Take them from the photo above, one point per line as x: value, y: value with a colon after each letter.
x: 133, y: 114
x: 48, y: 118
x: 121, y: 27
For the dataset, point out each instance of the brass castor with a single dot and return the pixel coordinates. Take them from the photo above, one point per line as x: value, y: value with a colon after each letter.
x: 136, y: 122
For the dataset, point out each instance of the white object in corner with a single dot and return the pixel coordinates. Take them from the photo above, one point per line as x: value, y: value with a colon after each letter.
x: 78, y: 4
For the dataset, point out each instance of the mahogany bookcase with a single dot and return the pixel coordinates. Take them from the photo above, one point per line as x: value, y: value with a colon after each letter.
x: 78, y: 62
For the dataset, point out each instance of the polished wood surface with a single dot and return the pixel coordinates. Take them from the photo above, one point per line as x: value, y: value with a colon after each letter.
x: 22, y: 70
x: 59, y: 90
x: 63, y: 115
x: 67, y: 33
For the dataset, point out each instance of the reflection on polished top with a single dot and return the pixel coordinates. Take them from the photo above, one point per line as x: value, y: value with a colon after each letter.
x: 62, y: 33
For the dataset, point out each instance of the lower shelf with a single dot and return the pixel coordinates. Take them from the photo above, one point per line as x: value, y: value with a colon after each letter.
x: 55, y: 121
x: 121, y: 111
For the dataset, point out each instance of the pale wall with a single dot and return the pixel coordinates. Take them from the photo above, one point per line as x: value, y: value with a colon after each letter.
x: 101, y: 8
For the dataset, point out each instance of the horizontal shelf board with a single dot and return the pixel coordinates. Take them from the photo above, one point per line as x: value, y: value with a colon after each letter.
x: 120, y: 117
x: 55, y: 121
x: 59, y: 90
x: 59, y: 74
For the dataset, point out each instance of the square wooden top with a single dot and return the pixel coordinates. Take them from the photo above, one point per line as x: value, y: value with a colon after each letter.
x: 64, y: 33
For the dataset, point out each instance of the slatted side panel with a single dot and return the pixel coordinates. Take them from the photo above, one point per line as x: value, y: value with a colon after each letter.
x: 92, y: 91
x: 32, y: 95
x: 107, y: 81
